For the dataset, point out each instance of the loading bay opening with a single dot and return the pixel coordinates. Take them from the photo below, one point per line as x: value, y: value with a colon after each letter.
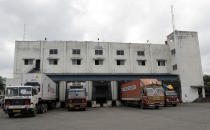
x: 101, y: 92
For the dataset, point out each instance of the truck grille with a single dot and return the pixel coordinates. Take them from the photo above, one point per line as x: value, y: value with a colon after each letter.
x: 17, y: 101
x: 172, y: 99
x: 77, y: 101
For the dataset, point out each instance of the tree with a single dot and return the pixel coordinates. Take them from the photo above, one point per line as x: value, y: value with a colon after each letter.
x: 2, y: 83
x: 206, y: 79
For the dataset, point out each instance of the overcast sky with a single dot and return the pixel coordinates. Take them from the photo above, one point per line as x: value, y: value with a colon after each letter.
x: 110, y: 20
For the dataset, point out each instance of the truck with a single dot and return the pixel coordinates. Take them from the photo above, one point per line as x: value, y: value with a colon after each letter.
x: 171, y: 97
x: 30, y: 94
x: 76, y: 99
x: 143, y: 92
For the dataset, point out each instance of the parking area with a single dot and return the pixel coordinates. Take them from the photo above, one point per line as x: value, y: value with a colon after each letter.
x: 193, y: 116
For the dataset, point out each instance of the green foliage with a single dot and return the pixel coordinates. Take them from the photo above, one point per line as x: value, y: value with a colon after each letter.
x: 206, y: 79
x: 2, y: 82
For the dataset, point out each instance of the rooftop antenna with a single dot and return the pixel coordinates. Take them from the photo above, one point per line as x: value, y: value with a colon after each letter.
x: 173, y: 20
x: 24, y: 31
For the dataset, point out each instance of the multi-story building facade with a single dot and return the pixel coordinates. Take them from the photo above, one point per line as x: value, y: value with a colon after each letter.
x: 103, y: 66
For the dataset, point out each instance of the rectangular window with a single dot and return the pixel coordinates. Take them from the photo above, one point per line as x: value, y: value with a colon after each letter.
x: 173, y: 52
x: 98, y: 52
x: 53, y: 51
x: 28, y: 62
x: 175, y: 67
x: 120, y: 62
x: 161, y: 62
x: 120, y: 52
x: 141, y: 62
x: 140, y: 53
x: 99, y: 62
x: 76, y: 51
x: 76, y: 61
x: 53, y: 61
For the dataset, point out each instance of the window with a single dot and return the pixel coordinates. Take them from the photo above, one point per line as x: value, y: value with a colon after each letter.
x: 140, y: 53
x: 175, y: 67
x: 53, y: 61
x: 99, y: 62
x: 28, y: 62
x: 141, y: 62
x: 120, y: 62
x: 173, y: 52
x: 161, y: 62
x: 76, y: 61
x: 53, y: 51
x: 120, y: 52
x: 98, y: 52
x: 76, y: 51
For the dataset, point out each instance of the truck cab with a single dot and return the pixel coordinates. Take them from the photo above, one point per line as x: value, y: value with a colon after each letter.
x: 76, y: 99
x: 152, y: 96
x: 171, y: 97
x: 20, y: 100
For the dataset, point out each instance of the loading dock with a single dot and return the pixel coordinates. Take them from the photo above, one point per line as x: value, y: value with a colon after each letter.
x: 101, y: 92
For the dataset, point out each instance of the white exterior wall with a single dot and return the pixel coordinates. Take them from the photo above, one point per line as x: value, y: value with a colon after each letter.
x: 188, y: 62
x: 187, y: 59
x: 32, y: 50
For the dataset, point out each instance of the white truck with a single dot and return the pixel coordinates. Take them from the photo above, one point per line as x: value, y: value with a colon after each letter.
x: 31, y: 93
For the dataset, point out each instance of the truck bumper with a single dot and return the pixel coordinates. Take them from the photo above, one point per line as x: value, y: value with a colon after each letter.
x: 21, y: 111
x: 77, y: 106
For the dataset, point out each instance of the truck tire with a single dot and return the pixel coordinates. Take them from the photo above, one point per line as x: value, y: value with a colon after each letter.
x: 11, y: 115
x: 157, y: 107
x: 34, y: 113
x: 69, y: 109
x: 142, y: 106
x: 174, y: 105
x: 45, y: 108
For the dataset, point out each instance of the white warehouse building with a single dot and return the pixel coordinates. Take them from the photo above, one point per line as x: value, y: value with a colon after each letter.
x: 102, y: 66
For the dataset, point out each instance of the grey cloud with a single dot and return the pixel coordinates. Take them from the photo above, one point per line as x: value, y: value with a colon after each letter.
x: 110, y: 20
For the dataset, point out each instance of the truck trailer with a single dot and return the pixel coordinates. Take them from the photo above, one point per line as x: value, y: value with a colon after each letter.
x: 33, y: 93
x: 143, y: 92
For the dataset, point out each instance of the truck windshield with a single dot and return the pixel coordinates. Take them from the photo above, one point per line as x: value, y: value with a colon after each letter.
x: 76, y: 94
x: 12, y: 91
x: 154, y: 91
x: 24, y: 91
x: 171, y: 93
x: 150, y: 91
x: 160, y: 91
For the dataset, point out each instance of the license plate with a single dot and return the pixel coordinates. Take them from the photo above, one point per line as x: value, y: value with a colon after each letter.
x: 16, y: 110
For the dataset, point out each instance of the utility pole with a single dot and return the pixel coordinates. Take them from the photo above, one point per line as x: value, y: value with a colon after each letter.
x: 24, y: 31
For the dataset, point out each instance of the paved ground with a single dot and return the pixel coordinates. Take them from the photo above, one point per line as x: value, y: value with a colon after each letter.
x: 193, y: 116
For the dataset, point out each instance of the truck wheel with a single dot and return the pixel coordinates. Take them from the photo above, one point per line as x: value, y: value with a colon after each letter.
x: 41, y: 108
x: 156, y: 107
x: 45, y: 107
x: 69, y: 109
x: 34, y: 113
x: 11, y: 115
x: 142, y: 106
x: 174, y: 105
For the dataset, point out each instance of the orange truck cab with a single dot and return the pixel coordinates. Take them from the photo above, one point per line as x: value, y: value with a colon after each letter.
x: 143, y: 92
x: 171, y: 97
x: 76, y: 99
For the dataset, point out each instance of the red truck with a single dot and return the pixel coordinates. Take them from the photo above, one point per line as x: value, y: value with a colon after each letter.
x: 171, y: 97
x: 143, y: 92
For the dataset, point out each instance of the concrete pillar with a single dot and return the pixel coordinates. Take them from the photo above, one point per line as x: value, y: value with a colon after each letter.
x: 62, y: 91
x: 89, y: 90
x: 203, y: 92
x: 114, y: 90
